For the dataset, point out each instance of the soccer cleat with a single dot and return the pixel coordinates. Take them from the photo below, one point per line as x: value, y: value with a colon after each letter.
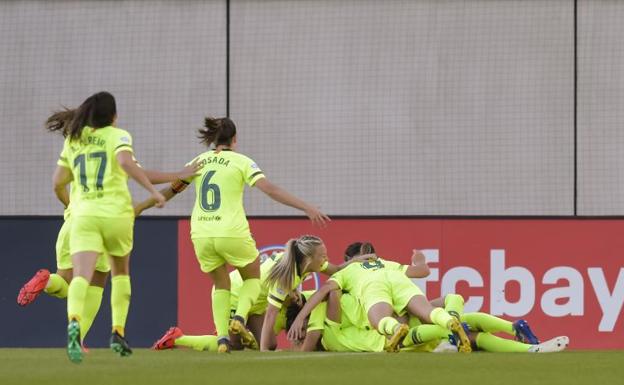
x: 524, y: 333
x: 84, y: 348
x: 224, y: 345
x: 237, y: 326
x: 392, y: 344
x: 168, y: 340
x: 463, y: 342
x: 33, y: 288
x: 557, y: 344
x: 119, y: 345
x: 74, y: 349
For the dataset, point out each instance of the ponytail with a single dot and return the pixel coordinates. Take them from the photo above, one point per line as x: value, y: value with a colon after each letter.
x: 219, y: 131
x: 295, y: 253
x: 59, y: 121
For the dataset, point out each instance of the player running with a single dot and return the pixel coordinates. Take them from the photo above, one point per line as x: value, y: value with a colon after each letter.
x: 98, y: 157
x: 57, y: 284
x: 219, y: 228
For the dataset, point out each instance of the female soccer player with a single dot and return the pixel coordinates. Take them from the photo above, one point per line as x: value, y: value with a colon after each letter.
x: 98, y: 157
x: 302, y: 256
x: 57, y: 284
x: 219, y: 227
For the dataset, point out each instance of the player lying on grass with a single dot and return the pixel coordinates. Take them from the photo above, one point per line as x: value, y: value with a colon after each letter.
x: 346, y: 329
x: 383, y: 291
x: 454, y: 304
x: 57, y: 284
x: 481, y: 327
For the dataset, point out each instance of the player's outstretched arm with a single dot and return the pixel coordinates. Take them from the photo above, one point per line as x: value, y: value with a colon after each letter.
x: 61, y: 178
x: 168, y: 192
x: 267, y: 337
x: 188, y: 172
x: 129, y: 165
x: 284, y: 197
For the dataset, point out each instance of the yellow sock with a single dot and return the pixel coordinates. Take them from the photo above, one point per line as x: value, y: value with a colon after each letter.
x: 454, y: 305
x: 221, y: 311
x: 249, y: 292
x: 387, y: 325
x: 488, y: 323
x: 440, y: 317
x: 76, y: 295
x: 120, y: 302
x: 492, y: 343
x: 57, y: 286
x: 208, y: 343
x: 91, y: 308
x: 425, y: 333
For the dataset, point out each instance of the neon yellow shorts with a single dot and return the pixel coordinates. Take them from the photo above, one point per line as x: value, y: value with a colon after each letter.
x: 351, y: 339
x: 63, y: 256
x: 391, y: 287
x: 113, y: 236
x: 403, y: 290
x: 215, y: 252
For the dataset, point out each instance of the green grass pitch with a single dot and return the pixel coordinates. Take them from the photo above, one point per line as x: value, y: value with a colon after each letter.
x: 181, y: 367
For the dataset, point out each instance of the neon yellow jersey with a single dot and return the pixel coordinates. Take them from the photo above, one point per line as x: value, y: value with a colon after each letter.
x: 100, y: 185
x: 237, y: 282
x: 352, y: 278
x: 219, y: 187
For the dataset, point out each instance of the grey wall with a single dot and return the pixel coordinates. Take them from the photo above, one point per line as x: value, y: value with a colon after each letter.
x: 409, y: 107
x: 362, y: 107
x: 601, y: 107
x: 163, y: 60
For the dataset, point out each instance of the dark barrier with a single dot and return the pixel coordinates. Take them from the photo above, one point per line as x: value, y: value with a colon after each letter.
x: 28, y: 244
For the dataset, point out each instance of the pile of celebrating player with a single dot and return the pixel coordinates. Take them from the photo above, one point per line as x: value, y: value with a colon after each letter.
x: 368, y: 304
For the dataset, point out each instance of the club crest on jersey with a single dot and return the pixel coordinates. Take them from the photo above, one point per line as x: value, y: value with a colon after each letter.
x: 254, y: 166
x: 311, y: 282
x: 125, y: 139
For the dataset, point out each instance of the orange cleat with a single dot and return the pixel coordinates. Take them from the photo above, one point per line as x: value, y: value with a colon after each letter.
x: 167, y: 341
x: 33, y: 288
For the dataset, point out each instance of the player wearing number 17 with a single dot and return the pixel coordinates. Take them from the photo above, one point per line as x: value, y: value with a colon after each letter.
x: 97, y: 159
x: 219, y: 227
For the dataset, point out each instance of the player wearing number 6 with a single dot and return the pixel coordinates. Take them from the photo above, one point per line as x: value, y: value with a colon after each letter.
x: 97, y: 159
x: 219, y: 227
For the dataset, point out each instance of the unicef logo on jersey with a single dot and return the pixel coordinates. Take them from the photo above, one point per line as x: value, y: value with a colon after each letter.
x: 311, y: 282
